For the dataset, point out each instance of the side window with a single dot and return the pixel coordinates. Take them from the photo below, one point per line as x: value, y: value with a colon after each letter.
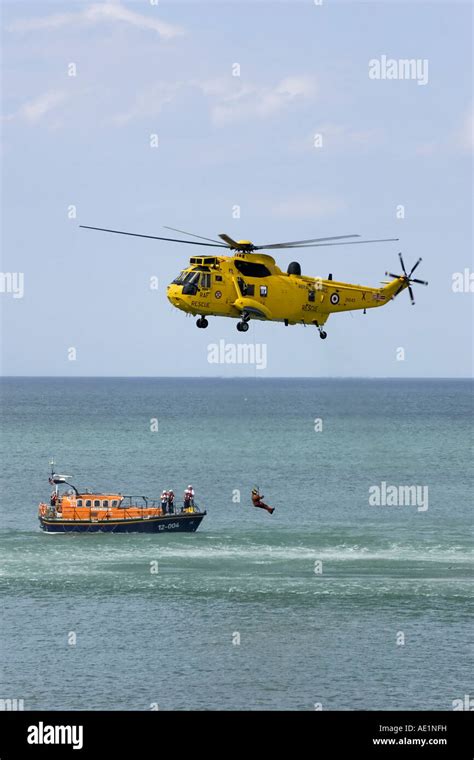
x: 79, y: 503
x: 263, y: 290
x: 245, y: 288
x: 105, y: 503
x: 205, y: 281
x: 218, y: 278
x: 114, y: 503
x: 97, y: 503
x: 311, y: 295
x: 88, y: 503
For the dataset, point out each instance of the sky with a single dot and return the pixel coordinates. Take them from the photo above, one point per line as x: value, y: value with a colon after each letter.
x: 203, y: 116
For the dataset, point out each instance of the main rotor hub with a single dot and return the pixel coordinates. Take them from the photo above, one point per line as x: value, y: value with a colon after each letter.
x: 245, y: 245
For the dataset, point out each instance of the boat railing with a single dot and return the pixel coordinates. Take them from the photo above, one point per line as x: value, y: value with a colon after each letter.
x: 144, y: 502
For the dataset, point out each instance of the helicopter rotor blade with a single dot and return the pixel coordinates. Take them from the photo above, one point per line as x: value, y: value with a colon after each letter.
x: 183, y: 232
x: 390, y: 274
x: 153, y: 237
x: 411, y: 295
x: 233, y: 244
x: 301, y: 242
x: 415, y: 266
x: 403, y: 265
x: 230, y: 242
x: 420, y: 282
x: 350, y: 242
x: 399, y: 290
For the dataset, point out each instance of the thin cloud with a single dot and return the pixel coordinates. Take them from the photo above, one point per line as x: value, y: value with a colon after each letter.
x: 467, y: 132
x: 149, y: 102
x: 306, y: 206
x: 428, y: 148
x: 33, y: 111
x: 228, y: 100
x: 96, y: 14
x: 255, y: 101
x: 227, y: 103
x: 460, y: 139
x: 338, y: 137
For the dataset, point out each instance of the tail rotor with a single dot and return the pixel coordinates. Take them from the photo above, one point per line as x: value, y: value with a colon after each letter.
x: 407, y: 278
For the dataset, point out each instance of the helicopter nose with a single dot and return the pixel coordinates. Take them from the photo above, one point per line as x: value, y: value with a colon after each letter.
x: 173, y: 293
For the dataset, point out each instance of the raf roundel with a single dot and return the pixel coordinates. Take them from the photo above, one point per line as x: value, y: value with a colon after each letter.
x: 334, y: 298
x: 218, y: 294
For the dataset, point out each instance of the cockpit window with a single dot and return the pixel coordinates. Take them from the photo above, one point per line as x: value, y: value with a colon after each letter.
x: 187, y: 278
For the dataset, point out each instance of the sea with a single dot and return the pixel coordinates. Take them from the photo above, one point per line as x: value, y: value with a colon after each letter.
x: 356, y: 594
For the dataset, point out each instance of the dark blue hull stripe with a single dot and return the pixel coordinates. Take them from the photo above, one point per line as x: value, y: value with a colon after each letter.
x: 170, y: 524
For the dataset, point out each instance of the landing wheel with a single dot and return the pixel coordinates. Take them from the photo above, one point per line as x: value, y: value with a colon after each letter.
x: 202, y: 322
x: 323, y: 335
x: 242, y: 326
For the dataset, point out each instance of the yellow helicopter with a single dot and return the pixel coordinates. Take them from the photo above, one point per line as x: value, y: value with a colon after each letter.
x: 249, y: 285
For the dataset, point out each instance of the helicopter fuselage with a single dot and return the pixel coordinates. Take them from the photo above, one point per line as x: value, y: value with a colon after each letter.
x: 252, y: 284
x: 247, y: 284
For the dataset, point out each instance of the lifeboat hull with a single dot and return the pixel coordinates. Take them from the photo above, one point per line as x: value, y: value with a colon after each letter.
x: 179, y: 523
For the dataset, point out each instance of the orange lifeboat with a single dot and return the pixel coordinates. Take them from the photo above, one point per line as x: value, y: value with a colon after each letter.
x: 72, y: 510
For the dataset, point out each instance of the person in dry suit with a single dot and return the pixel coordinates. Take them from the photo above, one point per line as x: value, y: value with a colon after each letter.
x: 257, y: 501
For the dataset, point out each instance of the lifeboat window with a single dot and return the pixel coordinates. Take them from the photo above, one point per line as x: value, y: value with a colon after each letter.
x: 79, y: 503
x: 88, y: 503
x: 105, y: 503
x: 97, y: 503
x: 114, y: 503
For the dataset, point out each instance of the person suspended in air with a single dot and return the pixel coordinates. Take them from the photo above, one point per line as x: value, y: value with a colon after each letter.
x: 257, y: 501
